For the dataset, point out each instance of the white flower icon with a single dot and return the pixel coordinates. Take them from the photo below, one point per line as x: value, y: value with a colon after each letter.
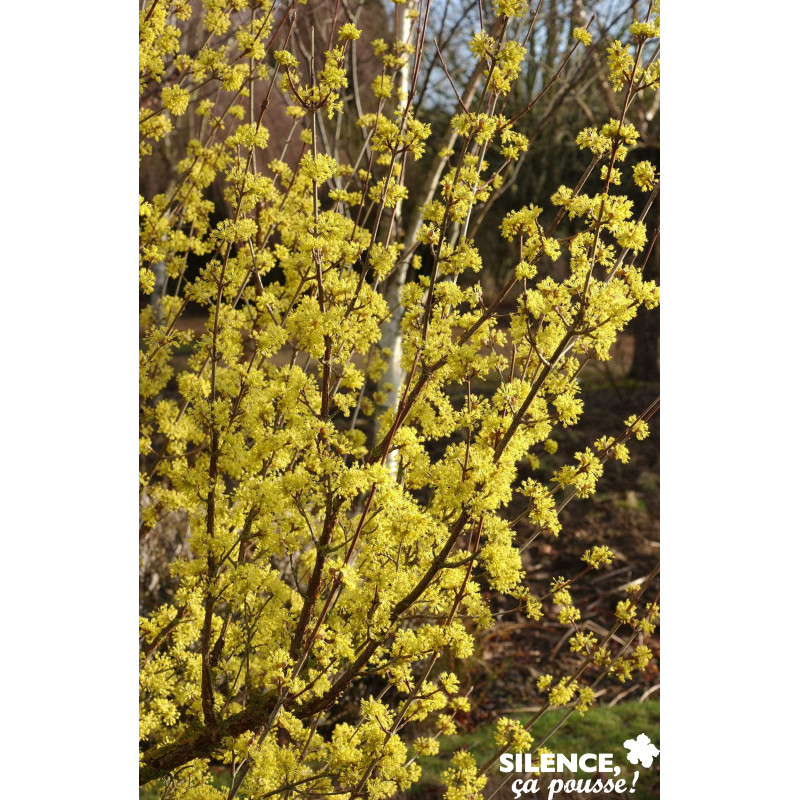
x: 642, y: 750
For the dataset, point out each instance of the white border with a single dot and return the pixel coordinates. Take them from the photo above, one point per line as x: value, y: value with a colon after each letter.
x: 729, y: 432
x: 730, y: 455
x: 68, y: 443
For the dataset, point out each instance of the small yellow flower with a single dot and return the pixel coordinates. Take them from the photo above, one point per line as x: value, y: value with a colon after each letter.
x: 582, y: 35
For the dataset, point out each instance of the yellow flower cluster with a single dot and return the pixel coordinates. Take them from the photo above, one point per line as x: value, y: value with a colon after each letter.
x: 328, y: 555
x: 582, y: 35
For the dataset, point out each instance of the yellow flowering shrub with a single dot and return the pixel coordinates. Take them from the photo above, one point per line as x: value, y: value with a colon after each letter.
x: 324, y: 561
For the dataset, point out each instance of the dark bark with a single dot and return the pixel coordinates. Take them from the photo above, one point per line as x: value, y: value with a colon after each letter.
x: 646, y: 329
x: 202, y: 741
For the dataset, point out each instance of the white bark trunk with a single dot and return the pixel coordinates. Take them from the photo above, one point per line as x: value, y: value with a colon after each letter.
x: 391, y: 337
